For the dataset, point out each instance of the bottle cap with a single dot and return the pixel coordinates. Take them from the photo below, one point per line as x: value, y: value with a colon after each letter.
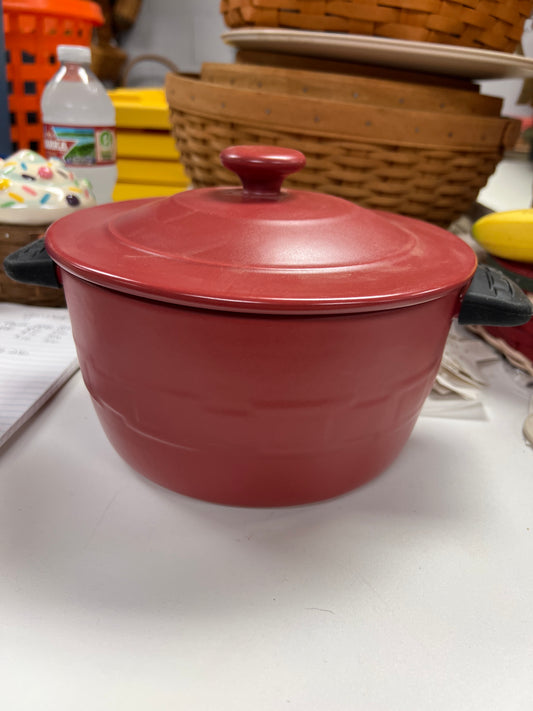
x: 74, y: 53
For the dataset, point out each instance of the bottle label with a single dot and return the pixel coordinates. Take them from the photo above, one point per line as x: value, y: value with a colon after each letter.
x: 80, y: 145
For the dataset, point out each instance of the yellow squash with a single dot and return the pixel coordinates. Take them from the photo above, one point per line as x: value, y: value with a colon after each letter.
x: 507, y: 234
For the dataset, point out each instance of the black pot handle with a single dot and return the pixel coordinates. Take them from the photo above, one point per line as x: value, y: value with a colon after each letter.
x: 32, y: 264
x: 493, y: 299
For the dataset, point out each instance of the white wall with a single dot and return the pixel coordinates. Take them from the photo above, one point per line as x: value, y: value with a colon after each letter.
x: 184, y: 31
x: 509, y: 89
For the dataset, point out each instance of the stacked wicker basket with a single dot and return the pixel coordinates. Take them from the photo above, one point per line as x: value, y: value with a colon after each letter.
x: 487, y: 24
x: 419, y: 145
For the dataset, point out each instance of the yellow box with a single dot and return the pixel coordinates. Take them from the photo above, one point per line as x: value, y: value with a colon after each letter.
x: 146, y: 144
x: 156, y: 172
x: 132, y: 191
x: 140, y: 108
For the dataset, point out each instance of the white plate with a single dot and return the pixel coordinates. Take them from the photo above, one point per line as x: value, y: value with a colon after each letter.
x: 401, y: 54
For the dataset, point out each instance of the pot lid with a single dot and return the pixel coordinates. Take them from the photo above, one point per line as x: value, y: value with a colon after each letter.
x: 260, y: 247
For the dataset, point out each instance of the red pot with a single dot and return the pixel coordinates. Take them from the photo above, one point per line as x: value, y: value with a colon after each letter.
x: 258, y: 346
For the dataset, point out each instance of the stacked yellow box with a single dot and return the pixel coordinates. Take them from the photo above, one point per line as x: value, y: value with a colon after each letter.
x: 147, y: 158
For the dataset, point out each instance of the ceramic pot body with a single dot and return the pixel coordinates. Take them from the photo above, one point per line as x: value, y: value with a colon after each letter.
x: 255, y: 410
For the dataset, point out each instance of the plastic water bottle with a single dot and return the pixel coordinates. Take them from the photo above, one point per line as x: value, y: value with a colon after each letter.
x: 79, y: 121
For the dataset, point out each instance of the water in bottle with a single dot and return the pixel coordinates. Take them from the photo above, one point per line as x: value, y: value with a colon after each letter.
x: 79, y: 121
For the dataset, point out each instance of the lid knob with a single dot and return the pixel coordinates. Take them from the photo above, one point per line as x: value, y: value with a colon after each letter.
x: 262, y: 169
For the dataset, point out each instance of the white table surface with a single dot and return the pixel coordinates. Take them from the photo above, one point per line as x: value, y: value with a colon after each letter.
x: 412, y: 592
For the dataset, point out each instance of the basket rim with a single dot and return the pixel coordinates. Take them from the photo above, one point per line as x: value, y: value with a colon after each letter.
x: 478, y: 103
x: 337, y: 119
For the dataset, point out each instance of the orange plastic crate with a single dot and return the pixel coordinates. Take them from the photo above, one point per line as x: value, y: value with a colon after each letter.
x: 33, y: 29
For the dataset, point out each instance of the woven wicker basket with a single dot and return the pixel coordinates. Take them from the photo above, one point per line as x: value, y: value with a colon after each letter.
x: 429, y: 165
x: 11, y: 238
x: 486, y: 24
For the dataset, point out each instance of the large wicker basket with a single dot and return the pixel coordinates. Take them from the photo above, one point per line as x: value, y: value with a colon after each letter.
x: 426, y: 164
x: 486, y: 24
